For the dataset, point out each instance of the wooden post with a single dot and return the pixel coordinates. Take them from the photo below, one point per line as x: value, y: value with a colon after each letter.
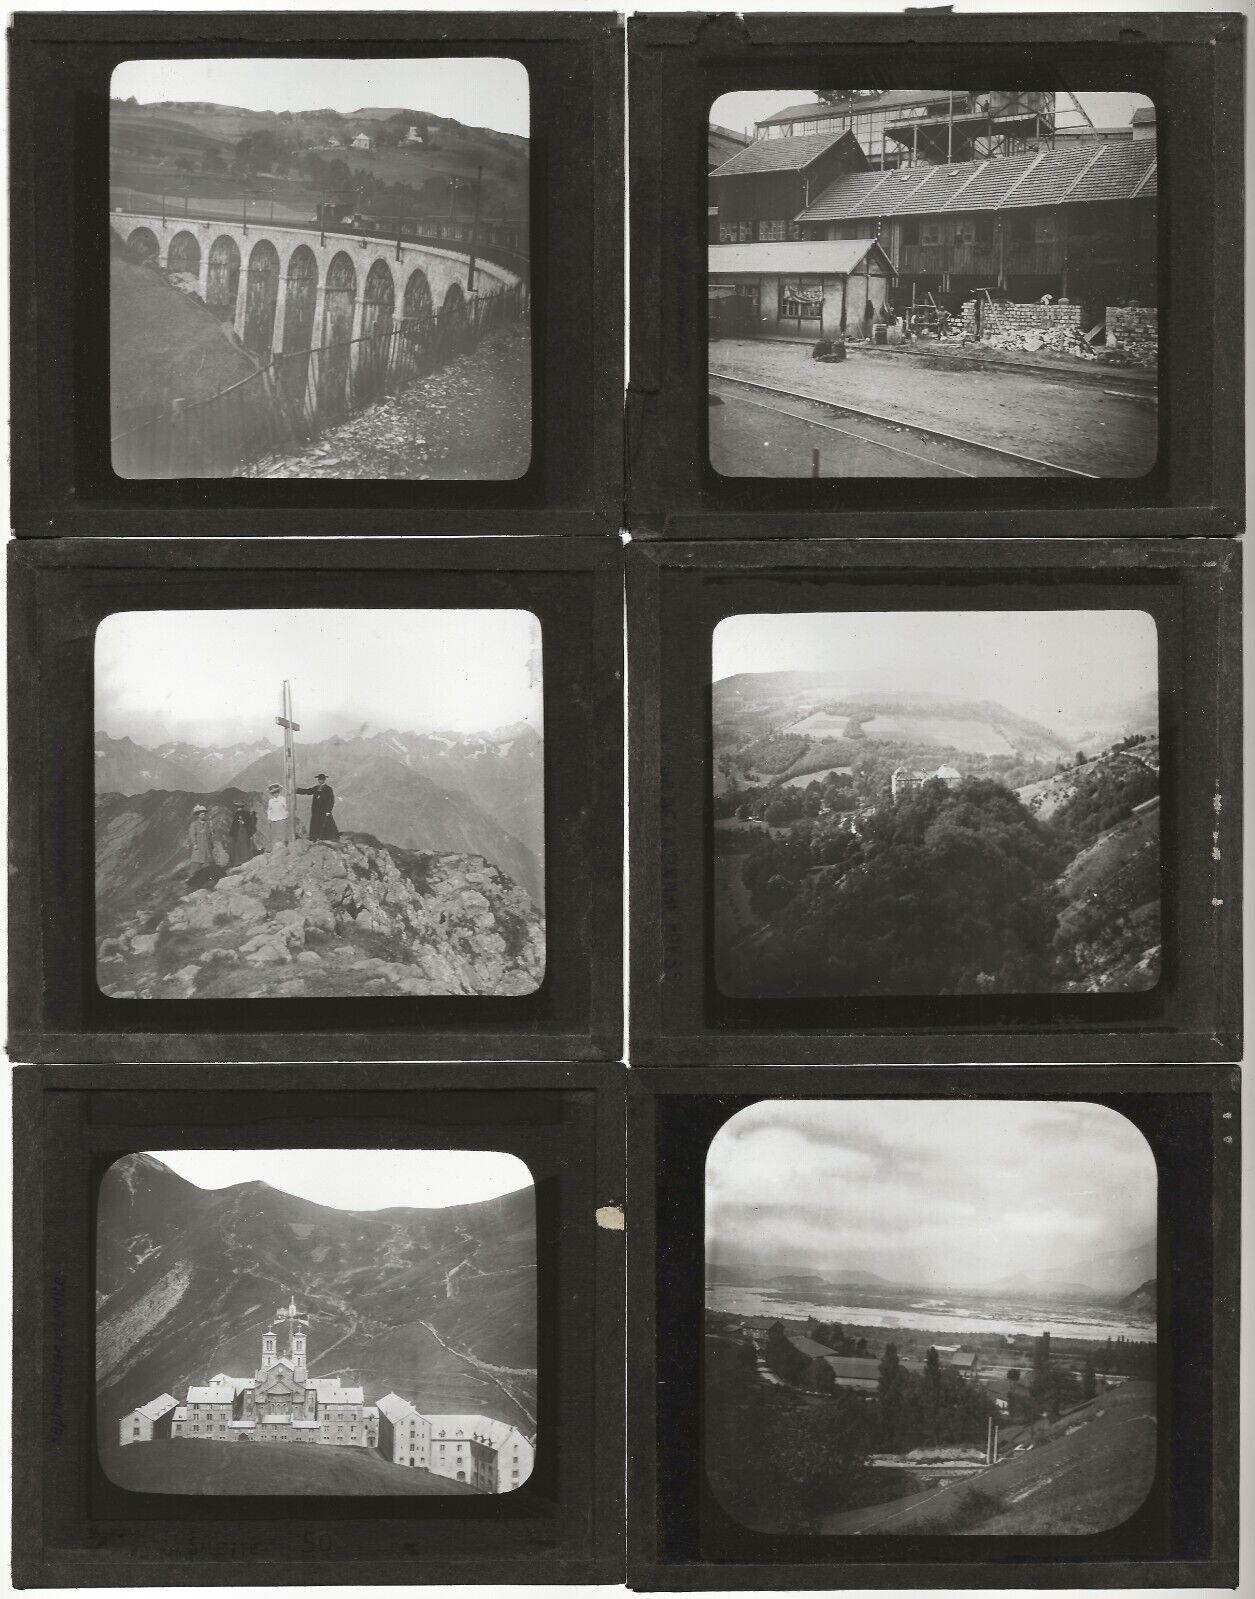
x: 289, y: 758
x: 479, y: 185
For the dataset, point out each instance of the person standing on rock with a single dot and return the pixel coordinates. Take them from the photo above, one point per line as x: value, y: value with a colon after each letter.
x: 277, y: 816
x: 240, y: 840
x: 198, y: 837
x: 322, y: 826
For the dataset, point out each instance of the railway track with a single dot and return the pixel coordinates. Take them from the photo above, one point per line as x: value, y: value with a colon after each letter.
x: 936, y: 435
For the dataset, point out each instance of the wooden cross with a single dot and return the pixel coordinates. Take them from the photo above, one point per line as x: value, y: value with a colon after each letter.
x: 289, y: 755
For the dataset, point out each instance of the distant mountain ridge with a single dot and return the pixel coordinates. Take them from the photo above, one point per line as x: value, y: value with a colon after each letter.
x: 482, y: 793
x: 1109, y: 1273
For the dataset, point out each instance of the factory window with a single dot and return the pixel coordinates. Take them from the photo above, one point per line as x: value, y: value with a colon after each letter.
x: 768, y: 231
x: 910, y: 233
x: 195, y: 1427
x: 802, y: 300
x: 965, y: 231
x: 1044, y: 230
x: 930, y: 233
x: 135, y: 1432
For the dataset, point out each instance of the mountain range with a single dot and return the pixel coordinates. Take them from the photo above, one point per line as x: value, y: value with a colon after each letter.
x: 479, y: 793
x: 1108, y: 1273
x: 437, y: 1305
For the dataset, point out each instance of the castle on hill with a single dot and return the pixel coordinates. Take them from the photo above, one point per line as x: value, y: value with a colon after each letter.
x: 281, y: 1403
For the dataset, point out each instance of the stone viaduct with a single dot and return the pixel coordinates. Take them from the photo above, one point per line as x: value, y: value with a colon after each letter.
x: 286, y: 290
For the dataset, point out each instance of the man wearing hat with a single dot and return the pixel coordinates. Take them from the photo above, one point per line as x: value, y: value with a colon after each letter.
x: 201, y: 843
x: 277, y: 816
x: 322, y: 826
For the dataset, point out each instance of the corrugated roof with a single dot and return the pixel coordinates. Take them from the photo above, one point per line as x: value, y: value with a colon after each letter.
x: 886, y: 99
x: 781, y: 155
x: 1083, y: 170
x: 835, y: 256
x: 158, y: 1407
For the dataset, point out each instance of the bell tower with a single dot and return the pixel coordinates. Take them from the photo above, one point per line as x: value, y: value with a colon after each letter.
x: 269, y: 1352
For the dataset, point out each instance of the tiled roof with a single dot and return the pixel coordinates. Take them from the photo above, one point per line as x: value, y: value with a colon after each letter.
x: 836, y: 256
x: 1083, y: 170
x: 780, y: 155
x: 880, y: 102
x: 157, y: 1407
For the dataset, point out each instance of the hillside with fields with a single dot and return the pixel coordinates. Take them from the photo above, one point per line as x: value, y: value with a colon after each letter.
x: 214, y: 157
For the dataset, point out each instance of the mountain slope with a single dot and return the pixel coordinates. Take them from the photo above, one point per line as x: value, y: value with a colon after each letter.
x: 308, y: 920
x: 188, y: 1279
x: 124, y: 767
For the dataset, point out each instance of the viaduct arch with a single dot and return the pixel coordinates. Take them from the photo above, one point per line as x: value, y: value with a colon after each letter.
x: 285, y: 290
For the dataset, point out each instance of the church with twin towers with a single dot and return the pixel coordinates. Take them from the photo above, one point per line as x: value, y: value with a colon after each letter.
x: 282, y: 1404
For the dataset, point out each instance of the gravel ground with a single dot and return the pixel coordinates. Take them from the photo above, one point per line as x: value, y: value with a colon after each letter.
x: 1066, y: 423
x: 470, y: 420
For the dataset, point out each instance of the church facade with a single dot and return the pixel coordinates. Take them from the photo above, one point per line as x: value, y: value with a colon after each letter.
x: 279, y: 1403
x: 282, y: 1403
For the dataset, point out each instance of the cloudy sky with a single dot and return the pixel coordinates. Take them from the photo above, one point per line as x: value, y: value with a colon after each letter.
x: 926, y: 1192
x: 358, y: 1179
x: 216, y: 677
x: 481, y: 91
x: 741, y: 110
x: 1057, y: 667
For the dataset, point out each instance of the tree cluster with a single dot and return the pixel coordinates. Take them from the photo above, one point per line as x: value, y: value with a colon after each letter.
x: 777, y: 1461
x: 946, y: 892
x: 935, y: 1406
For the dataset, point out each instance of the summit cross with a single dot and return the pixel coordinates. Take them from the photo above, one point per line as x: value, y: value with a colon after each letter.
x: 285, y: 721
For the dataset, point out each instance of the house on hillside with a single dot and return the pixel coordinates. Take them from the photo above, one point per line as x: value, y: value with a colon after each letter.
x: 363, y: 141
x: 414, y: 135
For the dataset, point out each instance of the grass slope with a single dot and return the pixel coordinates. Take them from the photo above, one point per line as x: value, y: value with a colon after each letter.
x: 189, y: 1466
x: 164, y: 344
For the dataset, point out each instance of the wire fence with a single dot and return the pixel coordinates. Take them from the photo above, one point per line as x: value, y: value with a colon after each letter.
x: 300, y: 393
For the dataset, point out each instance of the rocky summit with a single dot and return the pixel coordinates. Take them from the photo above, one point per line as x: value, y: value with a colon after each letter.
x: 334, y: 920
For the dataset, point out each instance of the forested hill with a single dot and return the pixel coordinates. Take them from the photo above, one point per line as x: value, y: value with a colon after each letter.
x: 950, y: 891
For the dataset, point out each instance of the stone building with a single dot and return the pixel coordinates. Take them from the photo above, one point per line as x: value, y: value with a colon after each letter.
x: 146, y: 1422
x: 492, y: 1456
x: 279, y: 1403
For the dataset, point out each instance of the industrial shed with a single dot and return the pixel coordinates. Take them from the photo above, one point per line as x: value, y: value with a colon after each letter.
x: 804, y: 291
